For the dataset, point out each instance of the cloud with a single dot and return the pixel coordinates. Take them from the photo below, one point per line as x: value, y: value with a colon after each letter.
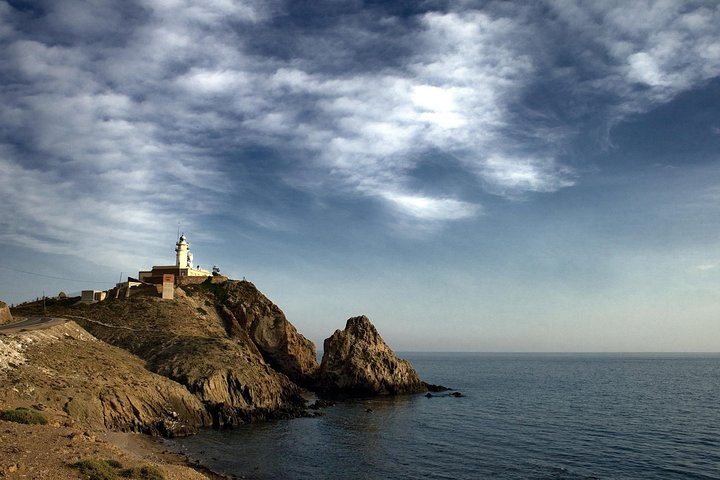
x: 525, y: 174
x: 647, y: 52
x: 429, y: 208
x: 369, y: 130
x: 140, y: 107
x: 52, y: 214
x: 644, y: 69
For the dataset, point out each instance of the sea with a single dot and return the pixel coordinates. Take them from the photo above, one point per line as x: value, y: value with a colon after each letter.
x: 520, y: 416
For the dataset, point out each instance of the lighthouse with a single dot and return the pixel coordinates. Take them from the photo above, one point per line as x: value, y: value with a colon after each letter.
x: 183, y: 270
x: 182, y: 249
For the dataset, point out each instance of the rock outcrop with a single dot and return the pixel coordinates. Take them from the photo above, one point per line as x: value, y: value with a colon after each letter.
x: 68, y: 371
x: 220, y: 353
x: 357, y: 361
x: 5, y: 315
x: 247, y: 310
x: 186, y: 341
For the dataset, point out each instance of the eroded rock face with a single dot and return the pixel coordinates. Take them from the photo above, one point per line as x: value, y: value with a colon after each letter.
x: 95, y: 384
x: 246, y: 309
x: 230, y: 378
x: 357, y: 361
x: 186, y: 341
x: 5, y: 315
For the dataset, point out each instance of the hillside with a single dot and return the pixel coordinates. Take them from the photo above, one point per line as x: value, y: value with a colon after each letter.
x: 84, y: 387
x: 81, y: 380
x: 220, y: 353
x: 225, y: 342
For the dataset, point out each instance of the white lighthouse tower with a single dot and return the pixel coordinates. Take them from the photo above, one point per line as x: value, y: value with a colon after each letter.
x: 182, y: 269
x: 182, y: 248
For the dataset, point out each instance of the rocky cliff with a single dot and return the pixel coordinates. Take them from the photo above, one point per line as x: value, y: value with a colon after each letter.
x: 219, y: 353
x: 5, y: 315
x: 186, y: 340
x: 70, y: 374
x: 247, y: 311
x: 357, y: 361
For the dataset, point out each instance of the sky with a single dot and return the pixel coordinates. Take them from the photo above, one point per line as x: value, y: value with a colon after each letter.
x: 495, y: 176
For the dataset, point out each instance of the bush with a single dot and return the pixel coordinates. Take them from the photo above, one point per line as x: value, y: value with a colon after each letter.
x: 23, y: 415
x: 112, y: 470
x: 147, y: 473
x: 96, y: 470
x: 218, y: 290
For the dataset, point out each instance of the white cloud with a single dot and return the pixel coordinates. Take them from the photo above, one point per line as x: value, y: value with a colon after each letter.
x: 370, y: 129
x: 429, y: 208
x: 211, y: 12
x: 524, y: 174
x: 148, y: 109
x: 666, y: 45
x: 53, y: 214
x: 643, y: 68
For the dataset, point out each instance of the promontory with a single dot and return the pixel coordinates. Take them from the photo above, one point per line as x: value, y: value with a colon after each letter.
x: 217, y: 354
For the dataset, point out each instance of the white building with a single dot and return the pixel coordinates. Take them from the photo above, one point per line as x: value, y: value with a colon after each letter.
x: 182, y: 269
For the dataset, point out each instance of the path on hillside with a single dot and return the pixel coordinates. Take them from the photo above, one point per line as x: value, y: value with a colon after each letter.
x: 30, y: 323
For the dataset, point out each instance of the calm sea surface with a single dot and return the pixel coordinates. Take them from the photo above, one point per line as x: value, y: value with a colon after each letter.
x: 525, y: 416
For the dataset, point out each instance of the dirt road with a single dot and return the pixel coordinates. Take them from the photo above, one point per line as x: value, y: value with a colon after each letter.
x: 30, y: 323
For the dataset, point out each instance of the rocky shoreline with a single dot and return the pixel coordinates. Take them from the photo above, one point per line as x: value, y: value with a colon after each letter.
x: 217, y: 355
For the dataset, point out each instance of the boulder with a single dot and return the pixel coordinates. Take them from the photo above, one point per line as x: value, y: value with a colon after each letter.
x: 357, y: 361
x: 5, y: 315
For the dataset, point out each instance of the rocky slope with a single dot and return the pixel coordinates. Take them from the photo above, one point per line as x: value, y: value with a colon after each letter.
x: 46, y: 452
x: 186, y: 340
x: 83, y: 381
x: 358, y: 361
x: 5, y: 315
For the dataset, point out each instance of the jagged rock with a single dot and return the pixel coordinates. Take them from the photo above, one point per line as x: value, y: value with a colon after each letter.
x: 5, y: 315
x: 245, y: 308
x: 321, y: 403
x: 228, y: 376
x: 357, y: 361
x: 435, y: 388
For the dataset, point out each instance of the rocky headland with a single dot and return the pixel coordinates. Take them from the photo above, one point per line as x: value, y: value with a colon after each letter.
x: 220, y: 353
x: 358, y: 361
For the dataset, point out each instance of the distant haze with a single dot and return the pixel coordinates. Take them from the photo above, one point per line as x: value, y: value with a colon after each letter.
x: 472, y: 176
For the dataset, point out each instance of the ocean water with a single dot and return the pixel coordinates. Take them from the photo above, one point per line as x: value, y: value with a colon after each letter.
x: 522, y: 416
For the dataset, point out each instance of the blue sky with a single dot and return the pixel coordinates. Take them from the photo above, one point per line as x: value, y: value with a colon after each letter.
x: 473, y: 176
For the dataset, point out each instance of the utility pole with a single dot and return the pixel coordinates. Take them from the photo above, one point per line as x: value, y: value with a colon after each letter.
x: 44, y: 310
